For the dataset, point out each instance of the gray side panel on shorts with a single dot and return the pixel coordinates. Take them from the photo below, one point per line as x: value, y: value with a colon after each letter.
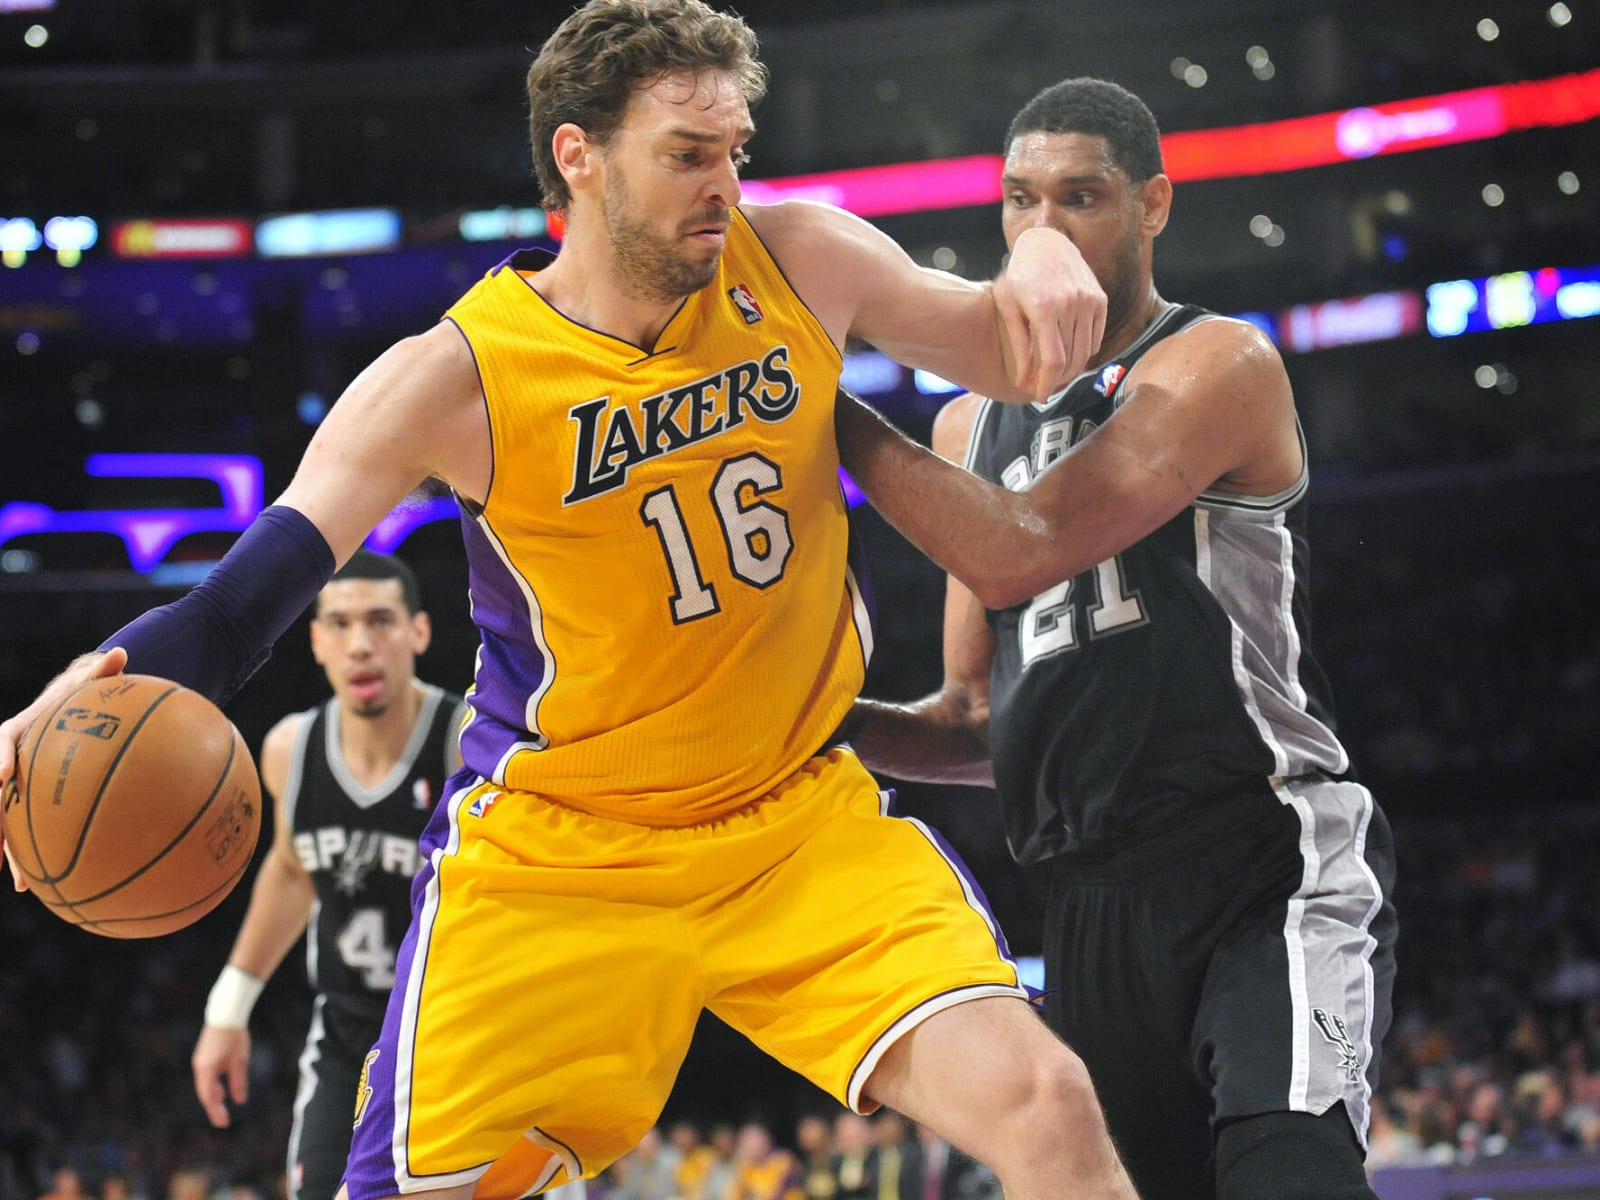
x: 1339, y: 990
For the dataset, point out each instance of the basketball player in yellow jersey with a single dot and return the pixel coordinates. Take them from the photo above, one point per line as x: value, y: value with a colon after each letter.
x: 652, y: 819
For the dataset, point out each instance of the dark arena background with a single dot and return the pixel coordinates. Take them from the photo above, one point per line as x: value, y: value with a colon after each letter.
x: 214, y: 212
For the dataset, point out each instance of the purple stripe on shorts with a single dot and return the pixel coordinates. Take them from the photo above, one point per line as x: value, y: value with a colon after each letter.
x: 974, y: 892
x: 371, y: 1171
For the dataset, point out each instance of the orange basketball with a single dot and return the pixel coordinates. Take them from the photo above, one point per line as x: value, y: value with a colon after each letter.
x: 137, y: 807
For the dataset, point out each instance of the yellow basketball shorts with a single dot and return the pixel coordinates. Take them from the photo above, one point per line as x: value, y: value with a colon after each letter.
x: 557, y: 963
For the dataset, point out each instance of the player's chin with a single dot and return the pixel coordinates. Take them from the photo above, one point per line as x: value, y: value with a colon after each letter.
x: 701, y: 275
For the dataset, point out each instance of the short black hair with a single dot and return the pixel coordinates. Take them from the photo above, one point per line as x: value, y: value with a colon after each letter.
x: 364, y: 564
x: 1099, y: 108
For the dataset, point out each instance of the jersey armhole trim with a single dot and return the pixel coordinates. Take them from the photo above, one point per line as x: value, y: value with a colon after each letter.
x: 297, y: 765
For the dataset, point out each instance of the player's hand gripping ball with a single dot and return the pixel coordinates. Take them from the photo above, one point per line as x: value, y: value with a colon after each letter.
x: 137, y: 807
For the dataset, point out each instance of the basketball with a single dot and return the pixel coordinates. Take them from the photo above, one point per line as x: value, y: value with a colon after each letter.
x: 137, y: 807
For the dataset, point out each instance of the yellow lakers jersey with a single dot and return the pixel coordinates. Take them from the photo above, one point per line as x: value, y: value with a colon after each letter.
x: 658, y: 574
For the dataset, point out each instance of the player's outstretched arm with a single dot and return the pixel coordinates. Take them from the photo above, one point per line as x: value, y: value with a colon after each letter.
x: 1208, y: 407
x: 280, y: 907
x: 416, y: 412
x: 1017, y: 338
x: 944, y: 736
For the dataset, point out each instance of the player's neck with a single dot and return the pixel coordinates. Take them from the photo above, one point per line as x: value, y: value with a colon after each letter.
x: 1130, y: 328
x: 371, y: 745
x: 584, y: 284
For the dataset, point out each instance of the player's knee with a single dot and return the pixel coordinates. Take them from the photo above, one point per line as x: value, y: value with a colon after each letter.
x: 1051, y: 1092
x: 1291, y: 1156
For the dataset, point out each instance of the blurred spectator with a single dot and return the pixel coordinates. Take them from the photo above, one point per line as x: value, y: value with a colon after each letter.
x: 762, y: 1171
x: 900, y: 1171
x: 647, y: 1172
x: 854, y: 1163
x: 720, y: 1172
x: 814, y: 1143
x: 67, y: 1185
x: 695, y: 1159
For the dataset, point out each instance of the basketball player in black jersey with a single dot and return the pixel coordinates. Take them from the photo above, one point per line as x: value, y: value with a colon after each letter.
x: 1127, y: 661
x: 355, y: 780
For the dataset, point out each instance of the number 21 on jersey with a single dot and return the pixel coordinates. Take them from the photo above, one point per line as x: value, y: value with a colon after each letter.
x: 1049, y: 624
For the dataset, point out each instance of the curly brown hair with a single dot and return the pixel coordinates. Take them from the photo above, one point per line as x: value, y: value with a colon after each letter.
x: 591, y: 65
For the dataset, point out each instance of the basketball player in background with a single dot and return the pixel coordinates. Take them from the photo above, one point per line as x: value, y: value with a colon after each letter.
x: 355, y: 780
x: 1219, y: 939
x: 655, y: 818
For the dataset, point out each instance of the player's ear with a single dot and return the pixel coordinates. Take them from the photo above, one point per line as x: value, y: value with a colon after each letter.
x: 1155, y: 204
x: 319, y: 650
x: 575, y: 155
x: 421, y: 632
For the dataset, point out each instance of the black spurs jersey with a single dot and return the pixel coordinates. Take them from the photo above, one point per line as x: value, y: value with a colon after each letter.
x: 360, y: 846
x: 1172, y: 676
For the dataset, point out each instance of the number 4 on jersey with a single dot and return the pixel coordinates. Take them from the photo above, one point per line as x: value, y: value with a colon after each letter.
x: 364, y: 946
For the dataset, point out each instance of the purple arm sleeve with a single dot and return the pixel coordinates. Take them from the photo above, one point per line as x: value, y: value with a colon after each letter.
x: 218, y: 635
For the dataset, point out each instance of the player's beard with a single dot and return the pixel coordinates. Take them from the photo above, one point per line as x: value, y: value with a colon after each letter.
x: 1122, y: 283
x: 651, y: 267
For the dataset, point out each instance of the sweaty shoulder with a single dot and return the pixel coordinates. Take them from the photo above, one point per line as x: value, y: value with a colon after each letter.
x: 277, y: 751
x: 1216, y: 348
x: 1233, y: 376
x: 952, y: 427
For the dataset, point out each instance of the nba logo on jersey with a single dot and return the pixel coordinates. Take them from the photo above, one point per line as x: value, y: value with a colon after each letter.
x: 1109, y: 378
x: 745, y: 302
x: 482, y: 804
x: 421, y: 795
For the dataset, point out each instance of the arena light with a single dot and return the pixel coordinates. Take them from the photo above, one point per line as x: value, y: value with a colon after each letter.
x: 69, y: 237
x: 1227, y: 152
x: 1513, y: 299
x: 189, y: 238
x: 405, y: 518
x: 19, y: 237
x: 1375, y: 317
x: 150, y: 533
x: 1405, y: 125
x: 503, y: 224
x: 930, y: 384
x: 870, y: 373
x: 897, y: 188
x: 341, y: 231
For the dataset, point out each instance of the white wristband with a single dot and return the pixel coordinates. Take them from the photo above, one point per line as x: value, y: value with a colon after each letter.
x: 232, y: 997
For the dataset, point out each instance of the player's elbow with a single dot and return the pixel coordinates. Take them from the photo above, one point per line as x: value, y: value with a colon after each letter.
x: 1007, y: 591
x: 1019, y: 567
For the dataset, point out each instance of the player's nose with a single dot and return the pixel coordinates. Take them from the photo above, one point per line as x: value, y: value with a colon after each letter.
x: 1050, y: 216
x: 722, y: 189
